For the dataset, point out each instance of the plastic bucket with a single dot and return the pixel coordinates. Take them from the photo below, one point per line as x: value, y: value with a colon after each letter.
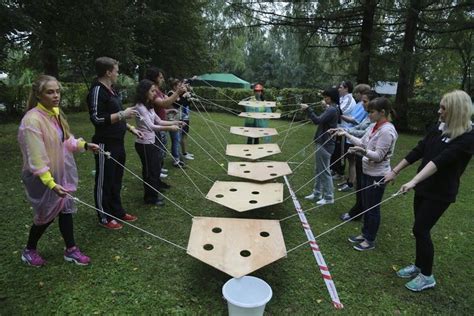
x: 246, y: 296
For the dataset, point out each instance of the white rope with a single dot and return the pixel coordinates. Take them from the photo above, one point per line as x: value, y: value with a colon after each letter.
x: 125, y: 222
x: 345, y: 222
x: 310, y: 143
x: 337, y: 160
x: 215, y: 149
x: 210, y: 128
x: 149, y: 185
x: 230, y: 110
x: 288, y: 131
x: 211, y: 156
x: 337, y: 199
x: 312, y: 154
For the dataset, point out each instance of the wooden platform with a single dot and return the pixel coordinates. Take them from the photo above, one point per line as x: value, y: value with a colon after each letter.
x: 245, y: 196
x: 260, y: 115
x: 258, y: 104
x: 236, y: 246
x: 253, y: 132
x: 252, y: 152
x: 258, y: 171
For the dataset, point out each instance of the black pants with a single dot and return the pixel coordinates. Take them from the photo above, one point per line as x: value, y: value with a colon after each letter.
x: 357, y: 208
x: 340, y: 150
x: 427, y: 213
x: 371, y: 197
x: 108, y: 181
x: 66, y: 228
x: 150, y: 157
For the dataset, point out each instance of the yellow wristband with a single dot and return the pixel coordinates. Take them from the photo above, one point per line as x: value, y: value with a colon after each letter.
x: 48, y: 180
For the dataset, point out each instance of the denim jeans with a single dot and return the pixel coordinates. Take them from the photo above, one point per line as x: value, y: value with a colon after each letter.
x: 371, y: 197
x: 175, y: 145
x: 323, y: 185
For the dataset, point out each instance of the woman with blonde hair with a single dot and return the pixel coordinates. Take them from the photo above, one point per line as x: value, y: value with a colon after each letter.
x: 49, y: 172
x: 444, y: 152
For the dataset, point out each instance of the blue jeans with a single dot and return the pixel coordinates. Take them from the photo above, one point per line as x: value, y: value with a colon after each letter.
x: 371, y: 197
x: 175, y: 145
x: 323, y: 185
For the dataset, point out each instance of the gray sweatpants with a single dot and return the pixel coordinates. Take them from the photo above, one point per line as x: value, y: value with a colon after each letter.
x: 323, y: 185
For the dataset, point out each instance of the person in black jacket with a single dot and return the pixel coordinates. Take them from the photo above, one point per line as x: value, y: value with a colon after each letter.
x: 109, y: 119
x: 444, y: 152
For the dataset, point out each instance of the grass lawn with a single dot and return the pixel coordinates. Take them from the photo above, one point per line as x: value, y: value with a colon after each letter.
x: 132, y: 272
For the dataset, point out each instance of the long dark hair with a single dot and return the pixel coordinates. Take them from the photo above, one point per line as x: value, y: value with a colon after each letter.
x: 141, y: 94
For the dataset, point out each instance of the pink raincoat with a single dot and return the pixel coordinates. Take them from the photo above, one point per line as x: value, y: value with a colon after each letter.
x: 40, y: 139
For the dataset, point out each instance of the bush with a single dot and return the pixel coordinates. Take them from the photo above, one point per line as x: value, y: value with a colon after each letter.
x: 421, y: 115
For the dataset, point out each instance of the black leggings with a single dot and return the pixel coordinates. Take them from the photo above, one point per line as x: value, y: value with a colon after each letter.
x: 65, y: 226
x: 427, y: 213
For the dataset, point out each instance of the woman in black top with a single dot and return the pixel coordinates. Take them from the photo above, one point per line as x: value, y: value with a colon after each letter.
x: 445, y: 152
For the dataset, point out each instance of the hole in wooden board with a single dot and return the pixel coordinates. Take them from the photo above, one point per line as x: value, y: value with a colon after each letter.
x: 255, y: 192
x: 253, y: 201
x: 246, y: 149
x: 246, y: 171
x: 246, y: 130
x: 260, y: 147
x: 248, y: 155
x: 242, y: 164
x: 241, y: 127
x: 245, y: 253
x: 208, y: 247
x: 273, y: 174
x: 232, y: 189
x: 217, y: 230
x: 260, y: 130
x: 265, y: 133
x: 269, y: 166
x: 269, y: 151
x: 219, y: 196
x: 264, y: 234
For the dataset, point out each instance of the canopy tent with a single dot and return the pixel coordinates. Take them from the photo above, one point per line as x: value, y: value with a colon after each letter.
x: 221, y: 80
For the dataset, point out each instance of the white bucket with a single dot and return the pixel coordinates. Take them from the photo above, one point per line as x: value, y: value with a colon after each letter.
x: 246, y: 296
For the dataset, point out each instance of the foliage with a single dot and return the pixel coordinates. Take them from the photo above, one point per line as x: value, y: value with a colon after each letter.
x: 133, y: 273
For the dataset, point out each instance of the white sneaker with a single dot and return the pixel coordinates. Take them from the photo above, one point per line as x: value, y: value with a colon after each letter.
x: 163, y: 175
x: 324, y: 202
x: 163, y: 170
x: 311, y: 197
x: 189, y: 157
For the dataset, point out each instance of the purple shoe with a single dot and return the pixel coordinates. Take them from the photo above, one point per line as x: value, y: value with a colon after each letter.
x: 32, y: 258
x: 75, y: 255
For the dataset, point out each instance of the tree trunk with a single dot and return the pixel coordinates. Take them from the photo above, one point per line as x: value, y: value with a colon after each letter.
x: 366, y: 41
x: 406, y: 67
x: 49, y: 53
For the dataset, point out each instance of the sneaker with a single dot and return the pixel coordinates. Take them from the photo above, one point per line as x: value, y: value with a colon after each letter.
x: 408, y: 272
x: 129, y: 218
x: 324, y: 202
x: 179, y: 164
x: 365, y: 245
x: 341, y: 184
x: 112, y: 224
x: 345, y: 217
x: 356, y: 239
x: 163, y: 170
x: 421, y: 282
x: 32, y: 258
x: 345, y: 188
x: 75, y: 255
x: 188, y: 156
x: 312, y: 197
x: 163, y: 175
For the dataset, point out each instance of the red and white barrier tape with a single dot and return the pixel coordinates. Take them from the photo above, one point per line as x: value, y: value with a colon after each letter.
x: 316, y: 251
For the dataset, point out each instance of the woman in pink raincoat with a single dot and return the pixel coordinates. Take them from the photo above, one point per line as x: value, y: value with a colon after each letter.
x: 49, y: 171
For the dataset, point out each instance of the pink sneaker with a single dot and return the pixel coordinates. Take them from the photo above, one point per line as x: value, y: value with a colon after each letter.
x: 32, y: 258
x: 75, y: 255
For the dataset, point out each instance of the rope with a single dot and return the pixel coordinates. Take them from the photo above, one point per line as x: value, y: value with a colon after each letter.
x: 288, y: 131
x: 337, y: 199
x: 212, y: 157
x: 210, y: 128
x: 150, y: 186
x: 345, y: 222
x: 125, y: 222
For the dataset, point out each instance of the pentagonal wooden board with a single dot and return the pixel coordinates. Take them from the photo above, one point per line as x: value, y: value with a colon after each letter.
x: 254, y: 132
x: 252, y: 152
x: 245, y: 196
x: 258, y: 171
x: 236, y: 246
x: 260, y: 115
x: 257, y: 104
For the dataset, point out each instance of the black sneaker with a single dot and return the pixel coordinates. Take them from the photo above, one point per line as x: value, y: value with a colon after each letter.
x: 179, y: 164
x: 356, y: 239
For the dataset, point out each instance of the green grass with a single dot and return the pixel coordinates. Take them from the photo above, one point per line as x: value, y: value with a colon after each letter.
x: 132, y: 272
